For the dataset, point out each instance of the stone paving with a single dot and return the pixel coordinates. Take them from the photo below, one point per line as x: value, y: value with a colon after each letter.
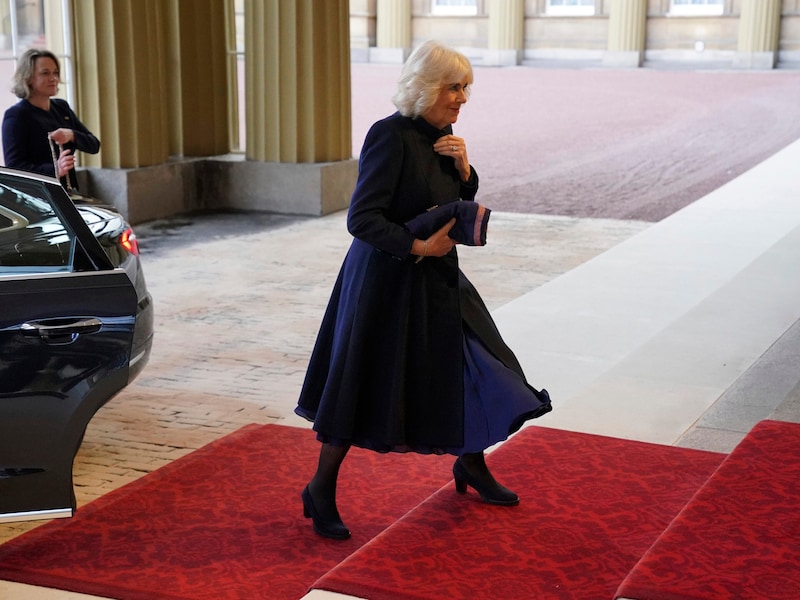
x: 238, y: 300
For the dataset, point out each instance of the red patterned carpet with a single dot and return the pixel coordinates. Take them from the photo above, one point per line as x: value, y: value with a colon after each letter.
x: 223, y: 522
x: 226, y: 522
x: 739, y: 537
x: 591, y: 507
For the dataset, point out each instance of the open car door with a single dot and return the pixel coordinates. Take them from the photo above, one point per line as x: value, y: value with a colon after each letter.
x: 66, y: 329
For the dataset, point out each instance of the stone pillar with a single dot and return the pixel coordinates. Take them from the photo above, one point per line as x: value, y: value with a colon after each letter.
x: 121, y: 83
x: 5, y: 26
x: 197, y: 68
x: 759, y: 32
x: 297, y: 100
x: 131, y: 94
x: 506, y: 32
x: 166, y: 61
x: 627, y: 26
x: 363, y: 26
x: 393, y: 32
x: 153, y: 81
x: 297, y: 81
x: 235, y: 62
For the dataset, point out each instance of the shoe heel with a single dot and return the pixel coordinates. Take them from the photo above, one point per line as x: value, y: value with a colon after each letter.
x: 333, y: 529
x: 489, y: 491
x: 458, y: 476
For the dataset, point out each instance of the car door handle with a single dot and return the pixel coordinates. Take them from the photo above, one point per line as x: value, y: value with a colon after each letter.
x: 61, y: 331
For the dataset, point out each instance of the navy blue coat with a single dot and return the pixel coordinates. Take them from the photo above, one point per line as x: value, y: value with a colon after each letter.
x: 387, y: 368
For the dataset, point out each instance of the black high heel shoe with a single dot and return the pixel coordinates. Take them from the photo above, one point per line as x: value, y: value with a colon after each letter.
x: 489, y: 490
x: 333, y: 529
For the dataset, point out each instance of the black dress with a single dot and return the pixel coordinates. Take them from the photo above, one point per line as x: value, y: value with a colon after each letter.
x: 407, y: 357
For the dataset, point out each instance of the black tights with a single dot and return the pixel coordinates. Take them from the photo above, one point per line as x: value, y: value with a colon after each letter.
x: 322, y: 486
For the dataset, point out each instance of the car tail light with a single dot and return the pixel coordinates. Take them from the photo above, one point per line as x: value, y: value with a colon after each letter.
x: 128, y: 241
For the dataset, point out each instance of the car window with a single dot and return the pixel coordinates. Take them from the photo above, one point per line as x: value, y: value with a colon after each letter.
x: 32, y: 237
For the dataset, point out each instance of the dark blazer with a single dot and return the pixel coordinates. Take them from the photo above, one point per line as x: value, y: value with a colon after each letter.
x: 25, y: 129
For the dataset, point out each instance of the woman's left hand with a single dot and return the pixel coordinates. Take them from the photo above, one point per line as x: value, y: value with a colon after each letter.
x: 62, y: 136
x: 450, y: 145
x: 66, y: 162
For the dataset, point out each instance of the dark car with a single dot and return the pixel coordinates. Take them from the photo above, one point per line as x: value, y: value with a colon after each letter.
x: 76, y: 327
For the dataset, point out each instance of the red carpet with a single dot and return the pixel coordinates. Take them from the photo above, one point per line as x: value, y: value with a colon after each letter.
x: 739, y: 537
x: 591, y: 506
x: 223, y: 522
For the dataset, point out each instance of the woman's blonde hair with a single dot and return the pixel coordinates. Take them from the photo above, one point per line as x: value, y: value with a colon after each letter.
x: 26, y: 67
x: 430, y: 67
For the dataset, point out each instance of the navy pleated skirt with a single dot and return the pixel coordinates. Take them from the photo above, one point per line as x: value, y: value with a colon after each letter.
x: 497, y: 402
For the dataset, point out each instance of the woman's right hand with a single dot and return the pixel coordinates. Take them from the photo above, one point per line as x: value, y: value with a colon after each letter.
x: 62, y: 136
x: 438, y: 244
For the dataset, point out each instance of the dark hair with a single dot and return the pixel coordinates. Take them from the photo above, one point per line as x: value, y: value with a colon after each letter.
x: 26, y: 66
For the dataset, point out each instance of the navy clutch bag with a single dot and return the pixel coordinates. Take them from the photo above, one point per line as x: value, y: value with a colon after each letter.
x: 472, y: 220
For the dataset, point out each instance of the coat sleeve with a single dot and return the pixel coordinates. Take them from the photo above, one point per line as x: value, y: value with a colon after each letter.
x: 85, y: 140
x: 379, y: 172
x: 470, y: 187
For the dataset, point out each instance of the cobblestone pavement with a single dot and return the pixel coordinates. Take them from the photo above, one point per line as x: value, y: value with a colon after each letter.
x: 239, y: 298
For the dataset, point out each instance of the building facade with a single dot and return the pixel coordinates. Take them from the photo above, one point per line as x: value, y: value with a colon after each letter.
x: 707, y: 33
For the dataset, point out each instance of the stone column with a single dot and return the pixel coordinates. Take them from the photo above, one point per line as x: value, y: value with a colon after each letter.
x: 5, y: 26
x: 759, y: 32
x: 151, y: 82
x: 506, y: 32
x: 121, y: 80
x: 627, y: 26
x: 297, y: 100
x: 297, y: 81
x: 153, y: 79
x: 393, y: 32
x: 363, y: 25
x: 197, y: 77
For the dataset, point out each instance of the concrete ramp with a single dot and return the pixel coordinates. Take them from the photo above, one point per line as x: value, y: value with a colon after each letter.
x: 640, y: 341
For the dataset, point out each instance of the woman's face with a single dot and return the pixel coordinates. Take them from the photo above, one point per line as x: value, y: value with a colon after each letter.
x: 46, y: 77
x: 445, y: 110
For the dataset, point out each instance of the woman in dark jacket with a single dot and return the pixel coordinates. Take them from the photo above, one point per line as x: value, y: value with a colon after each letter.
x: 39, y: 124
x: 407, y: 357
